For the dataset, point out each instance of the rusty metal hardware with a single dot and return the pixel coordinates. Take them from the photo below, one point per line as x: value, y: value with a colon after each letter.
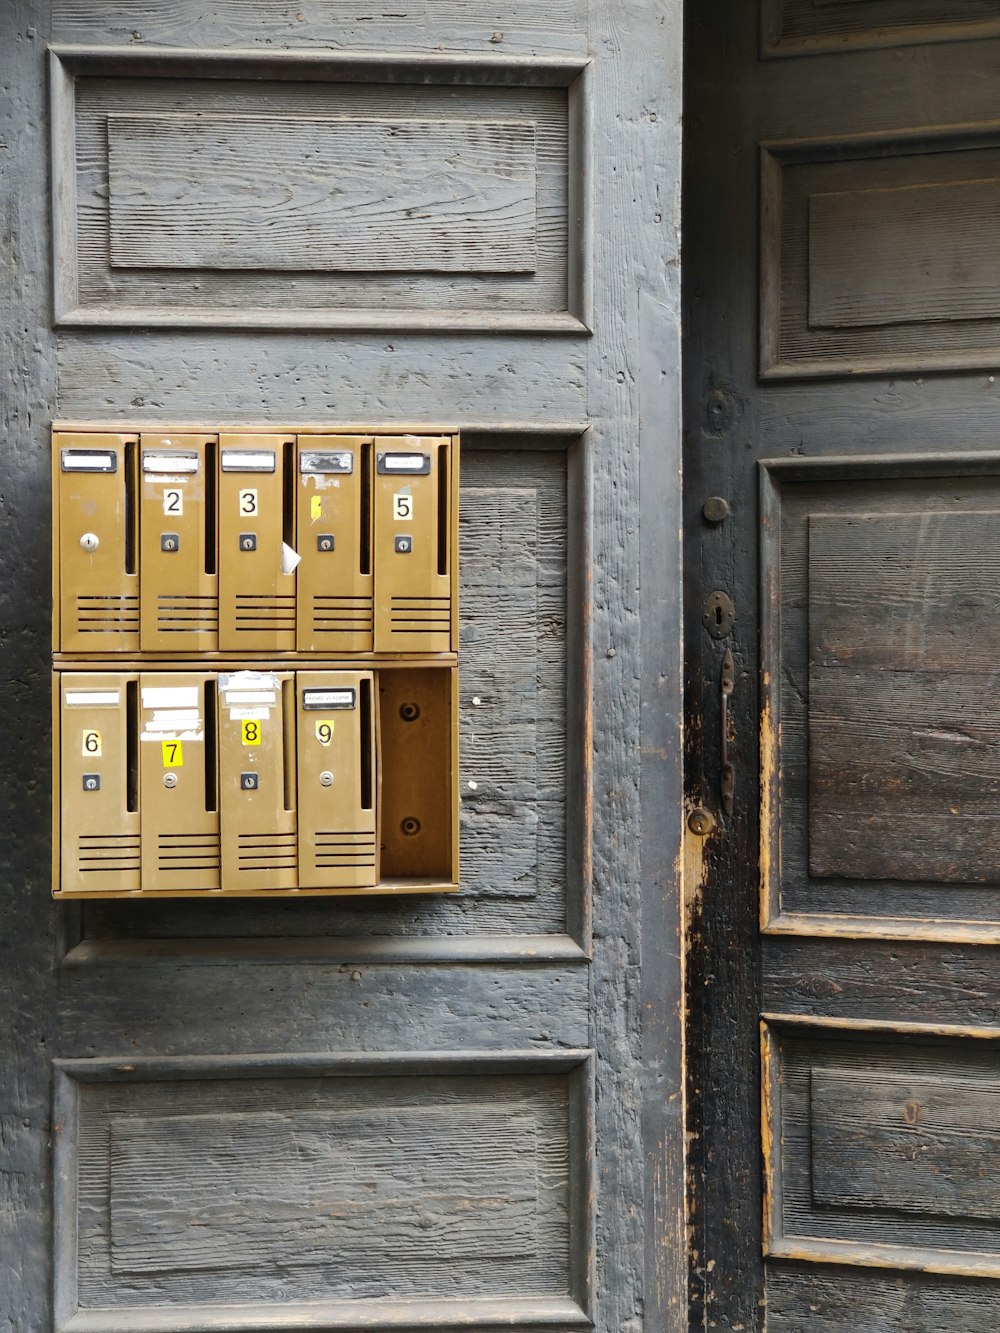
x: 727, y: 774
x: 718, y: 615
x: 715, y: 509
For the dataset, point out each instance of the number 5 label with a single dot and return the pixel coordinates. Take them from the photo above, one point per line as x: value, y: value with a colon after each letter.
x: 402, y: 505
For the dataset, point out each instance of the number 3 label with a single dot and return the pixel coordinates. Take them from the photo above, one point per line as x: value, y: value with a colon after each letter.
x: 251, y: 731
x: 402, y: 505
x: 248, y: 502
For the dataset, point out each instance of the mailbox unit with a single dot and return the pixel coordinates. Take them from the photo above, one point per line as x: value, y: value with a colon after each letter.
x: 255, y: 641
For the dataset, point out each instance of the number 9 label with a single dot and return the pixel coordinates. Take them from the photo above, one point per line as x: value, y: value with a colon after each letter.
x: 324, y: 730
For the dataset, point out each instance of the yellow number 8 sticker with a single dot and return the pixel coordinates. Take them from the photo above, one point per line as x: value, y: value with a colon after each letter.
x: 251, y: 731
x: 324, y: 730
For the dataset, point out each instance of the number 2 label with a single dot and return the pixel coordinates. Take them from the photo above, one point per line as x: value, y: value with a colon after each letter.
x: 173, y: 501
x: 402, y: 505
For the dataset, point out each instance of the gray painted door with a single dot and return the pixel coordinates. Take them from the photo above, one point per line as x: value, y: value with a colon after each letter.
x: 843, y: 307
x: 437, y: 1112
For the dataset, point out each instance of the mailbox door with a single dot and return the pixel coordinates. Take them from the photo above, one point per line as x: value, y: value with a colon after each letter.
x: 94, y: 750
x: 335, y: 585
x: 257, y: 780
x: 415, y: 489
x: 96, y: 592
x: 178, y: 778
x: 256, y: 540
x: 179, y: 584
x: 338, y: 831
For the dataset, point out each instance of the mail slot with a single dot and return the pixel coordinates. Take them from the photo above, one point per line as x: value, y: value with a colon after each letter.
x: 178, y: 764
x: 257, y: 558
x: 96, y: 592
x: 257, y: 780
x: 335, y: 611
x: 96, y: 784
x: 415, y: 485
x: 337, y: 780
x: 177, y: 572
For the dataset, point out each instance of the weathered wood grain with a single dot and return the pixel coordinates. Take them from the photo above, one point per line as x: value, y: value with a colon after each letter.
x: 793, y: 26
x: 828, y: 1299
x: 918, y: 1142
x: 425, y: 25
x: 455, y: 273
x: 206, y: 1191
x: 253, y: 192
x: 895, y: 256
x: 382, y: 1187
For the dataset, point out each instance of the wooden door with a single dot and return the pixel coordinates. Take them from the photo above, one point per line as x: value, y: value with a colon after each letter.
x: 843, y: 309
x: 439, y: 1111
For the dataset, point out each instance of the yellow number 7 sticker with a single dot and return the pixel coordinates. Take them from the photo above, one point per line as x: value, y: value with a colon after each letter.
x: 173, y: 754
x: 251, y: 731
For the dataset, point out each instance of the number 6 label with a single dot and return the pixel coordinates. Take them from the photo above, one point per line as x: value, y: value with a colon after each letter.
x: 402, y: 505
x: 91, y: 744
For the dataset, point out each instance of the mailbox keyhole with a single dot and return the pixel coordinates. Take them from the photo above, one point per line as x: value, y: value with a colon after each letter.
x: 410, y: 826
x: 409, y: 712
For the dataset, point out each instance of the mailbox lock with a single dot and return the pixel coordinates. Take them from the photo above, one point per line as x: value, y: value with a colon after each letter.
x: 170, y: 779
x: 90, y: 541
x: 409, y: 712
x: 326, y: 778
x: 410, y: 826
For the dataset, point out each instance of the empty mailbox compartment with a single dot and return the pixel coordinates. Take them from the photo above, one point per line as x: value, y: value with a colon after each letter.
x: 96, y: 793
x: 256, y: 526
x: 418, y: 754
x: 94, y: 558
x: 178, y: 782
x: 338, y: 780
x: 256, y: 726
x: 179, y: 586
x: 335, y: 612
x: 416, y: 536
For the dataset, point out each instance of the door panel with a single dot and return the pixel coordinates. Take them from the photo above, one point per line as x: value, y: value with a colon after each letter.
x: 429, y: 1111
x: 840, y: 400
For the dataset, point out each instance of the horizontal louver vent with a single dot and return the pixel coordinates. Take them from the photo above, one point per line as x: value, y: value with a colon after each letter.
x: 268, y: 851
x: 107, y: 852
x: 420, y: 615
x: 107, y: 615
x: 334, y: 851
x: 190, y: 614
x: 266, y: 612
x: 187, y: 851
x: 342, y: 615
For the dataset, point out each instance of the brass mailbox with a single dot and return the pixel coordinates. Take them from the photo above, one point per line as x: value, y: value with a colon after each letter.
x: 94, y: 558
x: 96, y: 796
x: 256, y: 543
x: 178, y: 782
x: 179, y: 586
x: 336, y: 587
x: 255, y: 637
x: 257, y: 780
x: 338, y: 828
x: 416, y: 609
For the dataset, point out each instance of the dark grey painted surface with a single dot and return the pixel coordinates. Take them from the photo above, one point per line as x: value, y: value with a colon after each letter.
x: 545, y: 998
x: 858, y: 561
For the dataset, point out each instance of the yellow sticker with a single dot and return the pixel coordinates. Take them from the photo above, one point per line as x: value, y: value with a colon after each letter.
x: 173, y: 754
x: 250, y: 730
x: 315, y: 507
x: 324, y: 730
x: 91, y: 745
